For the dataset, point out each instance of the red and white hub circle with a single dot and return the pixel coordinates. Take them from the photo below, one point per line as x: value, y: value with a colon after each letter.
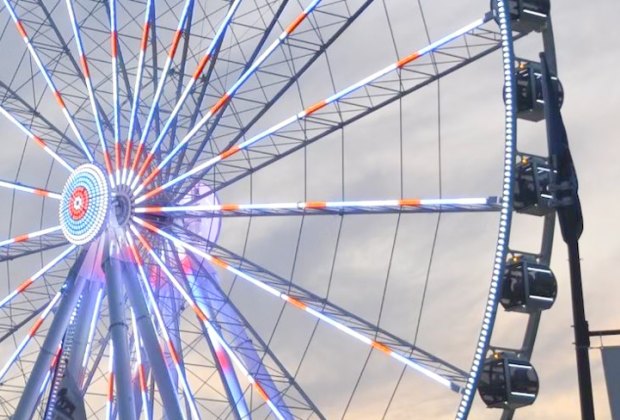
x: 78, y: 203
x: 84, y: 204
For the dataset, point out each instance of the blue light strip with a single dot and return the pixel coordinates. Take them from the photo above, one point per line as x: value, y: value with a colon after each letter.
x: 501, y: 251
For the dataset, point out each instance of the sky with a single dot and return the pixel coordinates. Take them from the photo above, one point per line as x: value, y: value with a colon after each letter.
x: 377, y: 266
x: 585, y: 59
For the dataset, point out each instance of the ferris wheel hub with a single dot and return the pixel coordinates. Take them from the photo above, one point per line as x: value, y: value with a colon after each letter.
x: 122, y: 206
x: 84, y: 204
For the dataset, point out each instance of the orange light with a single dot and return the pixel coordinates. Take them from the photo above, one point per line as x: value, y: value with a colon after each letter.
x: 297, y: 303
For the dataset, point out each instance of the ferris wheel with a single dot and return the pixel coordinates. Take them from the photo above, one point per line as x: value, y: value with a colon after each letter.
x: 204, y: 199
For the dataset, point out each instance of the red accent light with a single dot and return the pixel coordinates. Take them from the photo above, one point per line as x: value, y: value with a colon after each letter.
x: 78, y: 203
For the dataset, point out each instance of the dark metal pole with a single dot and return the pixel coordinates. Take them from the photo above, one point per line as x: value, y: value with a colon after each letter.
x: 603, y: 333
x: 570, y: 217
x: 582, y: 336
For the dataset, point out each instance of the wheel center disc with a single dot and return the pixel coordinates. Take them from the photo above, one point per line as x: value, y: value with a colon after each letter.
x: 78, y: 203
x: 84, y: 204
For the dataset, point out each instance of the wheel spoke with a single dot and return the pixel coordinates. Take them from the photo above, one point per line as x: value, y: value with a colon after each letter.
x: 57, y: 95
x: 421, y: 361
x: 115, y: 96
x: 38, y: 140
x: 32, y: 190
x: 221, y: 359
x: 30, y: 334
x: 375, y: 96
x: 188, y: 89
x: 309, y: 111
x: 36, y: 276
x: 207, y: 323
x: 264, y: 28
x: 28, y: 236
x: 305, y: 208
x: 49, y: 348
x: 204, y: 286
x: 16, y: 326
x: 89, y: 85
x: 303, y: 48
x: 148, y: 16
x: 189, y: 4
x: 230, y: 93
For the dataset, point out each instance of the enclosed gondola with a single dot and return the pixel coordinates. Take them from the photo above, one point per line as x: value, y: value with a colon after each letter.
x: 507, y: 382
x: 528, y: 286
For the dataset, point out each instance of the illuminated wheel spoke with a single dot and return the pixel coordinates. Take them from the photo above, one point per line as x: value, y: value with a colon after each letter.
x: 89, y: 85
x: 453, y: 380
x: 114, y: 44
x: 208, y: 324
x: 301, y: 208
x: 15, y: 356
x: 37, y: 191
x: 375, y: 96
x: 148, y: 16
x: 165, y: 336
x: 36, y: 276
x: 309, y: 111
x: 230, y: 93
x: 210, y: 297
x: 175, y: 111
x: 28, y: 236
x: 223, y: 362
x: 19, y: 250
x: 57, y: 95
x: 298, y: 50
x: 189, y: 4
x: 38, y: 140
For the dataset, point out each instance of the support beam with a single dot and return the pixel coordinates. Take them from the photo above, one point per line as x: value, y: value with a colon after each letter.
x: 119, y: 331
x: 73, y: 289
x: 86, y: 313
x: 221, y: 360
x: 151, y: 343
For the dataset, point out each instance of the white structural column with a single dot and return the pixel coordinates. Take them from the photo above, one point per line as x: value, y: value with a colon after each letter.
x: 152, y: 347
x: 86, y: 313
x: 119, y: 330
